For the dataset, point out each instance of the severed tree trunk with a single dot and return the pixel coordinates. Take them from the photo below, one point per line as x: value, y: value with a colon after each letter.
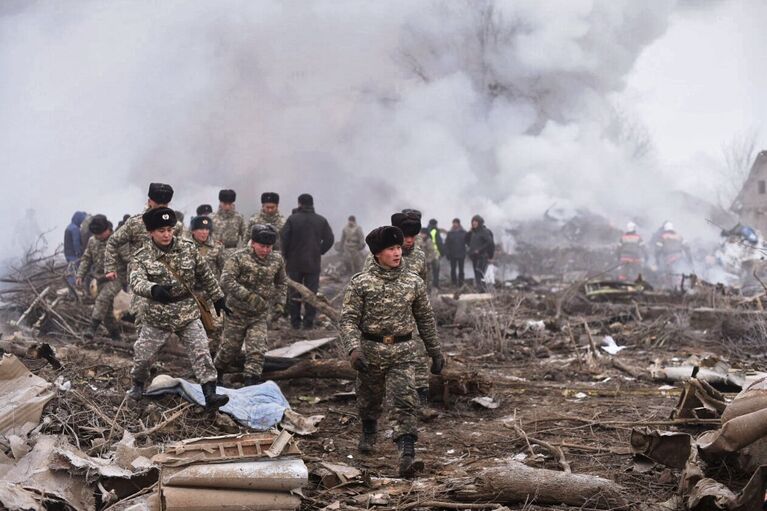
x: 515, y: 482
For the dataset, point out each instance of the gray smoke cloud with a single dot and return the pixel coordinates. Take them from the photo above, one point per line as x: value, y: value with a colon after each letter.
x: 492, y: 107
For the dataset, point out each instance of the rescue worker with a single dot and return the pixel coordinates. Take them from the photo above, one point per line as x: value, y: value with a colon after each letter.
x: 92, y: 264
x: 439, y: 250
x: 163, y: 271
x: 383, y: 306
x: 229, y: 226
x: 213, y: 254
x: 269, y: 215
x: 352, y: 242
x: 254, y: 279
x: 631, y: 254
x: 672, y: 255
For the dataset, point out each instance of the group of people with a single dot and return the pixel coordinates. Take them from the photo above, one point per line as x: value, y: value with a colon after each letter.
x: 671, y: 254
x: 218, y: 284
x: 454, y: 245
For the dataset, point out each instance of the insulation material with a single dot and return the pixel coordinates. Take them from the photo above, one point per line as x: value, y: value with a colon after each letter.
x: 24, y: 397
x: 272, y: 475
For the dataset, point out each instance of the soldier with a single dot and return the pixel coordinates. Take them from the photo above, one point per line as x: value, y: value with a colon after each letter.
x: 228, y: 225
x: 352, y: 241
x: 213, y: 254
x: 269, y: 215
x: 131, y: 236
x: 253, y: 277
x: 204, y: 210
x: 163, y: 271
x: 381, y: 309
x: 430, y: 253
x: 92, y: 263
x: 414, y: 260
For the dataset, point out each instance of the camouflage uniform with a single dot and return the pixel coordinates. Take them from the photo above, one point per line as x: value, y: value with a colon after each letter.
x: 352, y: 242
x: 251, y: 284
x: 126, y: 240
x: 213, y: 253
x: 276, y: 220
x: 181, y: 316
x: 229, y: 229
x: 92, y: 262
x: 414, y: 260
x: 388, y: 302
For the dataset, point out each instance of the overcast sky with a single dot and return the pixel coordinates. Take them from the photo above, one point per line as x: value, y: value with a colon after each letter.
x: 99, y: 98
x: 702, y: 83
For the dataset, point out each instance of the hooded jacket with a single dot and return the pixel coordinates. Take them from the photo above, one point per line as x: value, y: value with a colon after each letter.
x: 480, y: 240
x: 73, y: 247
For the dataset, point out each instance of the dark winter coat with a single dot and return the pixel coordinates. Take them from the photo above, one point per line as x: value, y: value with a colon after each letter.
x: 305, y: 237
x: 73, y: 247
x: 480, y: 241
x: 455, y: 244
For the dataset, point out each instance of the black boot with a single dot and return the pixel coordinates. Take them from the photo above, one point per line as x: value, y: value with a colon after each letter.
x: 408, y: 466
x: 369, y: 434
x: 137, y: 391
x: 213, y: 401
x: 114, y: 334
x: 249, y: 381
x: 92, y: 329
x: 423, y: 395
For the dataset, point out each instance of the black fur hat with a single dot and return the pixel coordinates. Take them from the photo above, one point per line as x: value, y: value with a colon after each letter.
x: 201, y: 222
x: 156, y: 218
x: 160, y: 193
x: 264, y: 233
x: 410, y: 223
x: 227, y: 196
x: 270, y: 198
x: 384, y: 237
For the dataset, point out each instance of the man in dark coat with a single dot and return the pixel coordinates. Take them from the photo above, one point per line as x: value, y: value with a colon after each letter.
x: 481, y: 249
x: 305, y: 237
x: 455, y: 249
x: 73, y: 245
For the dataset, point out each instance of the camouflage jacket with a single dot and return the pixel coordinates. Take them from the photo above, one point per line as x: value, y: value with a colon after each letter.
x: 148, y: 269
x: 213, y: 253
x: 387, y: 302
x: 414, y: 260
x: 229, y: 228
x: 277, y: 220
x: 127, y: 240
x: 252, y: 283
x: 352, y: 238
x: 92, y: 261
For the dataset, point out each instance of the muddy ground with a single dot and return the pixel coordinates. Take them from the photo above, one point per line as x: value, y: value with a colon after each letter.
x: 545, y: 379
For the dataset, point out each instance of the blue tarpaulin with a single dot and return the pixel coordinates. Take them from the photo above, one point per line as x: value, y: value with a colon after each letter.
x: 260, y: 407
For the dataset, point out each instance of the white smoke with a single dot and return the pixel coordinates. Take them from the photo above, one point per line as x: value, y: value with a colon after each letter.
x: 496, y: 107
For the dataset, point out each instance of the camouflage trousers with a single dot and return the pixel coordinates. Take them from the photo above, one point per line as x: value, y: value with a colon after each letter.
x: 214, y: 337
x: 103, y: 306
x: 192, y: 336
x: 243, y: 333
x: 353, y: 261
x: 392, y: 370
x: 423, y: 366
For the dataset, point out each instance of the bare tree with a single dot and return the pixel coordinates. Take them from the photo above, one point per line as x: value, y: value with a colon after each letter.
x: 738, y: 156
x: 629, y: 133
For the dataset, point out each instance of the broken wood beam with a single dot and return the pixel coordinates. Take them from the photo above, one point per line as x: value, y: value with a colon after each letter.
x: 312, y: 299
x: 516, y: 482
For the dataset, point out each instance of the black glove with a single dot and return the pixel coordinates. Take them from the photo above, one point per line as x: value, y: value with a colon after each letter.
x: 358, y: 360
x: 437, y: 363
x: 161, y: 293
x: 220, y: 305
